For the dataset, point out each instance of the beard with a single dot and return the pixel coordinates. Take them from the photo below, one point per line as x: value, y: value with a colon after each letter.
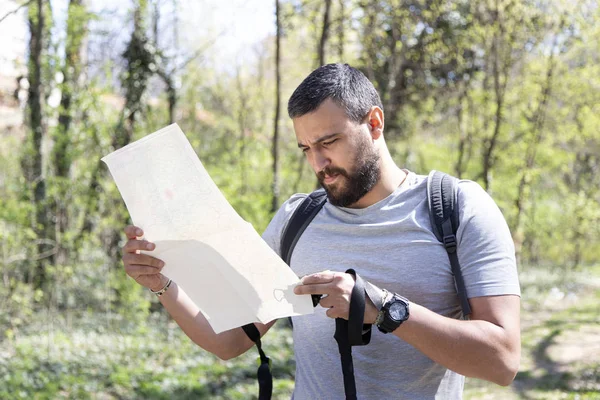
x: 352, y: 186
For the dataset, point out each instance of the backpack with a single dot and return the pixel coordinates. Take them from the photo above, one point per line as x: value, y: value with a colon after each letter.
x: 443, y: 214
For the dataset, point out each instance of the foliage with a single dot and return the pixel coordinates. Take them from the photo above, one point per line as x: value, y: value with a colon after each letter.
x: 501, y: 92
x: 72, y: 354
x: 101, y: 357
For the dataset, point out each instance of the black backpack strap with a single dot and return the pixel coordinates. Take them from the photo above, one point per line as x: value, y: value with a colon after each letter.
x: 265, y: 378
x: 304, y: 214
x: 442, y: 193
x: 299, y: 220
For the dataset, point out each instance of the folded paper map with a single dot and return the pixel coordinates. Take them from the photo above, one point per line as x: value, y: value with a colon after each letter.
x: 215, y: 256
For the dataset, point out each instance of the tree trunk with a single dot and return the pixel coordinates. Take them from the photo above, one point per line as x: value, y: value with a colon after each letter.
x: 166, y: 75
x: 530, y: 154
x: 341, y: 31
x: 61, y: 152
x: 369, y: 53
x: 275, y: 144
x: 242, y: 119
x: 138, y: 58
x: 167, y: 78
x: 324, y: 32
x: 464, y: 136
x: 499, y: 89
x: 32, y: 159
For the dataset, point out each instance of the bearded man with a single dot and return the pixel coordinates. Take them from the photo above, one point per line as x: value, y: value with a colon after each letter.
x: 376, y: 221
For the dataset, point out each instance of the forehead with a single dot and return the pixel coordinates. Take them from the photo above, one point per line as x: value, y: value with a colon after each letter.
x: 327, y: 119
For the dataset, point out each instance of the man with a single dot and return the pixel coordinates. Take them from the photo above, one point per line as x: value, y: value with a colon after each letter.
x: 376, y: 221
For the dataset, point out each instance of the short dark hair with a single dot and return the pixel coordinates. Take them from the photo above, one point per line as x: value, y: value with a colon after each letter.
x: 346, y: 86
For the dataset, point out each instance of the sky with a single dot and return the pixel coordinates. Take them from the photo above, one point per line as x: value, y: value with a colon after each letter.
x: 236, y: 24
x: 12, y: 38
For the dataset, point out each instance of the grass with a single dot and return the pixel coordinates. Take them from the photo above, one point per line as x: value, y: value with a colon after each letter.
x: 152, y: 363
x: 92, y: 356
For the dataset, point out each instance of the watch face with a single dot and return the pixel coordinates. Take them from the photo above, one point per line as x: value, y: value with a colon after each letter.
x: 397, y: 311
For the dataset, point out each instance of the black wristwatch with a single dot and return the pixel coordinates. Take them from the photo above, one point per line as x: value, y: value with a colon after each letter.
x: 393, y: 313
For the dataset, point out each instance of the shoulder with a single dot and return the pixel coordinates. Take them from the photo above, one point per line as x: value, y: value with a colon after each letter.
x: 474, y: 200
x: 291, y: 204
x: 476, y: 207
x: 468, y: 188
x: 285, y: 212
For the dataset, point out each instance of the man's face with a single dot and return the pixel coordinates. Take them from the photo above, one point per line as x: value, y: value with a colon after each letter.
x: 340, y: 151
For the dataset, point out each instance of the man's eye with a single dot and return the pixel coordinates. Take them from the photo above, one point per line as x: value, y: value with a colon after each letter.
x: 330, y: 142
x: 304, y: 149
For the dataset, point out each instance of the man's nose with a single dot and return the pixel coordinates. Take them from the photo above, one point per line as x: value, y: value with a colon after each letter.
x: 320, y: 161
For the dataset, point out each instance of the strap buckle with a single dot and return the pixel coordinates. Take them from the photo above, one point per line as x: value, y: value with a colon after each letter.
x: 450, y: 243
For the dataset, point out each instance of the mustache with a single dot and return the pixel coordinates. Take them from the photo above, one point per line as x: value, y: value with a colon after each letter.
x: 331, y: 171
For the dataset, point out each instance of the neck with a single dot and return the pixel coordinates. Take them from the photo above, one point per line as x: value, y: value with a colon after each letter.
x: 391, y: 177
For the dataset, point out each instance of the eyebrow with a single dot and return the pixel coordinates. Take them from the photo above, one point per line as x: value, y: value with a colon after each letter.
x: 319, y: 140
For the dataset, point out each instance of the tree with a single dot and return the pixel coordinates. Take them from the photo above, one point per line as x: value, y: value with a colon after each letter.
x: 275, y: 142
x: 32, y: 159
x: 535, y: 135
x: 62, y: 152
x: 324, y: 32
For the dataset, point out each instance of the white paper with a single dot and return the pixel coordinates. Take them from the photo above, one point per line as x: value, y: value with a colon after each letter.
x: 218, y: 259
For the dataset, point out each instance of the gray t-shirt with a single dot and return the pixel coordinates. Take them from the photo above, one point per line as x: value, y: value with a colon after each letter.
x: 391, y: 244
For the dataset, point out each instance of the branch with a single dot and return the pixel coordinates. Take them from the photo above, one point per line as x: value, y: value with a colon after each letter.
x: 199, y: 52
x: 16, y: 10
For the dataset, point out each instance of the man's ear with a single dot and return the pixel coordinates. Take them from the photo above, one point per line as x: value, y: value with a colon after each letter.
x: 375, y: 122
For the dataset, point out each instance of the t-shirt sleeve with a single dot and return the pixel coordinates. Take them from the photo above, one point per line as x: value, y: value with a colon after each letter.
x: 485, y: 247
x: 272, y: 235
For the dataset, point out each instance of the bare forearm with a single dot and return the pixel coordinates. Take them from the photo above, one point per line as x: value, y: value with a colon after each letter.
x: 146, y: 270
x: 474, y: 348
x: 487, y: 347
x: 182, y: 309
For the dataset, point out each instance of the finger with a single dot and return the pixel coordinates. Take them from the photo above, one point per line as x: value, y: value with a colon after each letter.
x: 133, y: 232
x: 142, y: 259
x: 136, y: 270
x: 133, y: 245
x: 332, y: 313
x: 326, y: 302
x: 323, y: 288
x: 319, y: 277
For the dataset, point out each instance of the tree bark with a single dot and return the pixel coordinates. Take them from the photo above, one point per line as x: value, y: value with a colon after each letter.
x: 341, y: 31
x: 275, y: 143
x: 61, y: 152
x: 464, y: 135
x: 242, y: 119
x: 324, y: 32
x: 369, y: 53
x: 499, y: 89
x: 138, y: 58
x: 32, y: 159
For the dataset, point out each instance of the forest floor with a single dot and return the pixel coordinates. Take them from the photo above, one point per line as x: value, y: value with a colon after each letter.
x: 560, y: 336
x: 99, y: 356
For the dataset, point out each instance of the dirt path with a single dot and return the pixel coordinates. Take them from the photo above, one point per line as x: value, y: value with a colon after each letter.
x: 561, y: 340
x: 560, y: 345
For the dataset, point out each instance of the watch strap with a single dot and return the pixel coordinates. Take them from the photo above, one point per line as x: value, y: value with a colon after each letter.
x: 376, y: 295
x: 388, y: 326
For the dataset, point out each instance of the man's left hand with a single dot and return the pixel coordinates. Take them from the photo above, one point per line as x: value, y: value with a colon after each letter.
x: 336, y: 287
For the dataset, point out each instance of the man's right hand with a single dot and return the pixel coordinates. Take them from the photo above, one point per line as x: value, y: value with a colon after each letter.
x: 144, y: 269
